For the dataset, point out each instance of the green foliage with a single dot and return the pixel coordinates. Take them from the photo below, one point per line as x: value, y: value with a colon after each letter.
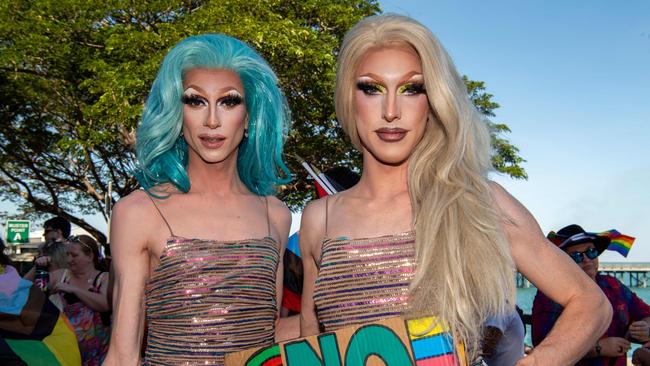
x: 74, y: 76
x: 505, y: 158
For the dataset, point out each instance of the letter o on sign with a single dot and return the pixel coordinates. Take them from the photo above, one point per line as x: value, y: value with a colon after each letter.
x: 379, y: 341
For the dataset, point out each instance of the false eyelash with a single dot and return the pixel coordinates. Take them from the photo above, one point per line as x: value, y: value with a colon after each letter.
x: 191, y: 100
x: 230, y: 100
x: 369, y: 88
x: 414, y: 88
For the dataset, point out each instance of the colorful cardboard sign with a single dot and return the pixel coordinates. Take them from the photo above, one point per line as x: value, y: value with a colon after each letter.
x: 390, y: 342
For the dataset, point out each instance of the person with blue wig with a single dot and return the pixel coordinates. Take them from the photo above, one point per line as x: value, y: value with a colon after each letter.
x: 197, y: 252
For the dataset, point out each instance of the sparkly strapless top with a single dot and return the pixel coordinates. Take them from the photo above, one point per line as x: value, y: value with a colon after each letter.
x: 208, y: 298
x: 363, y: 280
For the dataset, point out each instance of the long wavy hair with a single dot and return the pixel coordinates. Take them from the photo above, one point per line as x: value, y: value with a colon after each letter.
x: 161, y: 150
x: 465, y: 271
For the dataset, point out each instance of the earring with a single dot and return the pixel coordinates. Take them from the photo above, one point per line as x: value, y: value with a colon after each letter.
x: 246, y: 133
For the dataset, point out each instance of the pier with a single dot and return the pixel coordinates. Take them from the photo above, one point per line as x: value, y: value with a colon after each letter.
x: 630, y: 274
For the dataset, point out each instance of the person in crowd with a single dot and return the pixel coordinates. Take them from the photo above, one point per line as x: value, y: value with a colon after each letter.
x: 32, y: 330
x: 503, y: 339
x: 4, y: 258
x: 56, y: 229
x: 424, y: 232
x: 631, y: 320
x: 82, y: 289
x: 52, y: 254
x: 203, y: 265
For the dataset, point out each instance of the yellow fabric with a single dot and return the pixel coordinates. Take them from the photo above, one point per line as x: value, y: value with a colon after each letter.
x: 62, y: 342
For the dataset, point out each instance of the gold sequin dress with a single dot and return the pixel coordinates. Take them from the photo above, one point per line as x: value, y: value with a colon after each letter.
x: 208, y: 298
x: 363, y: 280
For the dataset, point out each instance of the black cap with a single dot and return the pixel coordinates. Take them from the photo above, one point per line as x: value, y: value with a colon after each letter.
x: 574, y: 234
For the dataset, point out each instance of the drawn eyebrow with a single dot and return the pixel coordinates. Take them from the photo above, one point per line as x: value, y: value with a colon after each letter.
x: 191, y: 91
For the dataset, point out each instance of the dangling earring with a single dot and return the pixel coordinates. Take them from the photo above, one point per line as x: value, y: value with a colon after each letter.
x: 246, y: 133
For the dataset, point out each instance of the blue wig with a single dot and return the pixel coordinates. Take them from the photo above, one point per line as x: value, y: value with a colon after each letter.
x: 160, y: 147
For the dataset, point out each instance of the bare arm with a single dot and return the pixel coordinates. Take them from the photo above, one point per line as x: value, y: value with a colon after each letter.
x: 130, y: 262
x: 311, y: 235
x: 29, y: 276
x: 586, y: 314
x: 95, y: 300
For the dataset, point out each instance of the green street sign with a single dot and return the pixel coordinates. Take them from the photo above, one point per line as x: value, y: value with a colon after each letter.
x: 17, y: 231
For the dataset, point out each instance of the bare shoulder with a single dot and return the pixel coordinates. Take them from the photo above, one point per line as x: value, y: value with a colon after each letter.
x: 280, y: 217
x: 140, y: 202
x: 279, y: 210
x: 133, y: 208
x: 312, y: 226
x: 317, y: 210
x: 511, y: 209
x: 135, y: 202
x: 55, y: 275
x: 519, y: 224
x: 502, y: 197
x: 313, y: 215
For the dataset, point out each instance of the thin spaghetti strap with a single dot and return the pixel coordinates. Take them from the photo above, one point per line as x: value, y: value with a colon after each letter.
x: 161, y: 215
x: 327, y: 201
x: 64, y: 276
x: 97, y: 282
x: 268, y: 218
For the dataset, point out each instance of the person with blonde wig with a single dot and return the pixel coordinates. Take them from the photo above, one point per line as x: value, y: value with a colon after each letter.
x: 425, y: 232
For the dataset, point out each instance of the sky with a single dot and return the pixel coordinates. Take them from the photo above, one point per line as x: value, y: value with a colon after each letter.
x: 572, y: 79
x: 573, y: 82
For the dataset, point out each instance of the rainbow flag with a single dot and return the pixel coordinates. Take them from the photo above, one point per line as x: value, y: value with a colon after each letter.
x: 32, y: 329
x: 620, y: 243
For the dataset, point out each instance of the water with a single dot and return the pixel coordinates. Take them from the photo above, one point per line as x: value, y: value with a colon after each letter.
x: 525, y: 297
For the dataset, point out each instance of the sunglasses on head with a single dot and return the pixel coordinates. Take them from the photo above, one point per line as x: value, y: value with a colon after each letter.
x: 78, y: 239
x: 591, y: 253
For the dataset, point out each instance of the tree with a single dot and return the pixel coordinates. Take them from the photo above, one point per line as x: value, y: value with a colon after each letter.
x: 74, y: 76
x: 505, y: 156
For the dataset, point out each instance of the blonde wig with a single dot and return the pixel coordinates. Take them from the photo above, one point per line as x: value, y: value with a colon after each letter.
x: 465, y: 272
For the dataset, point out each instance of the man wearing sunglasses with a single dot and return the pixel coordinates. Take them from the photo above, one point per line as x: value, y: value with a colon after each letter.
x: 52, y: 253
x: 631, y: 320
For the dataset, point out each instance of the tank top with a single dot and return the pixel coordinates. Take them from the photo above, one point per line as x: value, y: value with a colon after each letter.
x: 363, y: 280
x: 209, y: 297
x: 91, y: 328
